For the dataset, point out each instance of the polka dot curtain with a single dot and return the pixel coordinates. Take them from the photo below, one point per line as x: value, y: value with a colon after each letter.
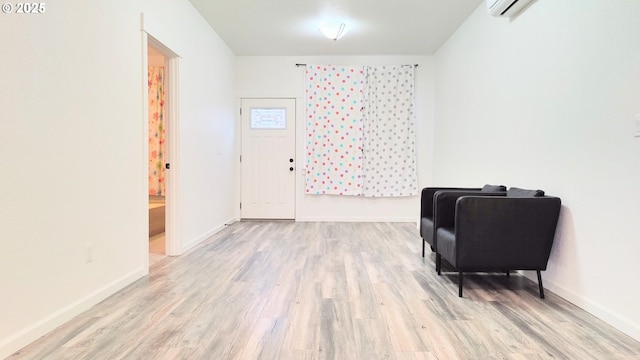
x: 334, y: 129
x: 360, y: 137
x: 389, y: 162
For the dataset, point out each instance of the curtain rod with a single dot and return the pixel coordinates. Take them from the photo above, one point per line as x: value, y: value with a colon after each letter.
x: 298, y: 65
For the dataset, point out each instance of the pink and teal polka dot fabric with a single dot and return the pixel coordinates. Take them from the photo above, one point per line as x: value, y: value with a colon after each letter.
x: 334, y: 129
x: 360, y: 131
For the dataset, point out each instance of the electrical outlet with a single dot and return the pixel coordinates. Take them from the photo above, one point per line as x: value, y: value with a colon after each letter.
x: 88, y: 252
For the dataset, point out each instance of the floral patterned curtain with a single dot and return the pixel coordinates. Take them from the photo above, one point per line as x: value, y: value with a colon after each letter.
x: 156, y: 131
x: 334, y: 129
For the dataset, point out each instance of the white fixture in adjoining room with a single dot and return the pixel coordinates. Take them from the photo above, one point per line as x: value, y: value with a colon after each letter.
x: 506, y: 8
x: 333, y: 30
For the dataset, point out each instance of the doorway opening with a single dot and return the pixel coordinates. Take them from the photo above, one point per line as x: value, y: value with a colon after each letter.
x: 157, y: 153
x: 161, y: 120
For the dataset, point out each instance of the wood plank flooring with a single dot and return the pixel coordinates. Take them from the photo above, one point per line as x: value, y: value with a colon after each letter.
x: 285, y: 290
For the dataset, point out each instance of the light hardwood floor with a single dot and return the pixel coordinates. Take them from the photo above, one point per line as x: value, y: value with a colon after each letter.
x: 285, y: 290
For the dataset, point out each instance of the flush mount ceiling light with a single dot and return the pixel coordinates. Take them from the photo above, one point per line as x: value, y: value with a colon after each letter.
x: 333, y: 30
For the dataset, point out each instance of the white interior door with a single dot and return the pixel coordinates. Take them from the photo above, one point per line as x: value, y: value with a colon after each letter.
x: 268, y: 159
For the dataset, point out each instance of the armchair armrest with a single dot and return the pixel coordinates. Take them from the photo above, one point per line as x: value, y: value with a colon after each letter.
x: 504, y: 233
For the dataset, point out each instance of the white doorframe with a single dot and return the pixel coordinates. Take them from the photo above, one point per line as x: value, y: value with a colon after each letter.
x: 172, y: 226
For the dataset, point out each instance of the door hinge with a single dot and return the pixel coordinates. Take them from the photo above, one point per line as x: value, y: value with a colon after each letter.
x: 240, y: 206
x: 240, y: 111
x: 240, y: 158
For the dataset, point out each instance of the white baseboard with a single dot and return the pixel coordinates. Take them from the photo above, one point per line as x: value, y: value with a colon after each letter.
x: 610, y: 317
x: 41, y: 327
x: 355, y: 219
x: 193, y: 243
x: 233, y: 220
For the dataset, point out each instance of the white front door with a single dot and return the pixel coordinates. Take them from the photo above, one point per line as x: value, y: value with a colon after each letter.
x: 268, y: 159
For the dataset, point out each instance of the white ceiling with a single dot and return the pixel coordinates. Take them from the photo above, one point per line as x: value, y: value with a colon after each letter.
x: 375, y: 27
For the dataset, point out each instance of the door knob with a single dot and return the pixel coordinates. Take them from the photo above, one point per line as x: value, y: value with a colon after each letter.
x: 290, y: 160
x: 291, y: 168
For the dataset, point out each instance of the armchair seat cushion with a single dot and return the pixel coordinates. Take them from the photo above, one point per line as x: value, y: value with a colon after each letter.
x: 426, y: 229
x: 447, y: 243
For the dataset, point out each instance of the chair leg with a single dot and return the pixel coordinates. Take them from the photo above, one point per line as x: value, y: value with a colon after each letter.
x: 459, y: 283
x: 438, y: 263
x: 423, y: 247
x: 540, y: 284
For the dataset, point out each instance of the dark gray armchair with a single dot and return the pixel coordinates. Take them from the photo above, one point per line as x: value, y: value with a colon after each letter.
x: 428, y: 209
x: 489, y: 233
x: 426, y: 213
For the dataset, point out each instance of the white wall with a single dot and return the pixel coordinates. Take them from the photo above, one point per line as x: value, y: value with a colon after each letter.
x: 277, y: 76
x: 206, y: 162
x: 547, y: 100
x: 72, y: 148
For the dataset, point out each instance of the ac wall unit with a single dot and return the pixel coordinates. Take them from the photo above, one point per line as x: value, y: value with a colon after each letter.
x: 506, y: 7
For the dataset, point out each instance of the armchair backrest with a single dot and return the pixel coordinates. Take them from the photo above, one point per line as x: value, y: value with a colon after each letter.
x: 445, y: 204
x: 427, y: 198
